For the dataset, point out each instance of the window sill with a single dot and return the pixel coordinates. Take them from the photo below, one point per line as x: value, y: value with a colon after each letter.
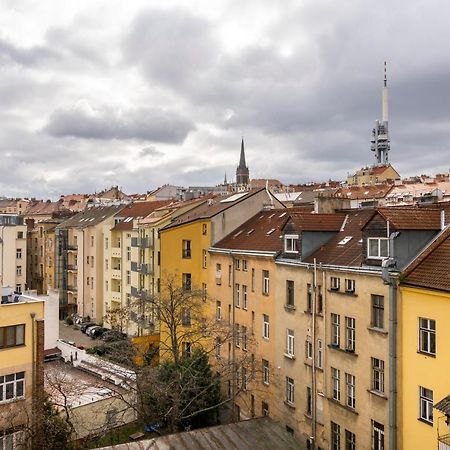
x: 289, y: 404
x: 426, y: 422
x: 342, y: 350
x: 12, y: 400
x: 431, y: 355
x: 345, y: 293
x: 288, y: 356
x: 377, y: 394
x: 289, y: 308
x: 378, y: 330
x: 347, y: 408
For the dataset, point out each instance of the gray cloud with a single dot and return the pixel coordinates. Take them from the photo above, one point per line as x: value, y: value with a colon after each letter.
x: 145, y: 124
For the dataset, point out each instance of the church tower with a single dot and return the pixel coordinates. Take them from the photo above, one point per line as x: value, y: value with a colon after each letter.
x: 242, y: 173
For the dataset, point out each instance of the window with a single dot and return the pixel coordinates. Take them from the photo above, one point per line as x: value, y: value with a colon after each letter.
x: 308, y: 400
x: 10, y: 439
x: 204, y: 229
x: 378, y: 375
x: 237, y: 264
x: 349, y: 286
x: 265, y: 287
x: 92, y: 282
x: 377, y: 311
x: 426, y: 404
x: 204, y: 292
x: 308, y: 297
x: 290, y: 391
x: 187, y: 349
x: 291, y: 243
x: 350, y: 335
x: 106, y: 285
x: 87, y: 281
x: 253, y: 280
x: 128, y: 277
x: 265, y: 371
x: 335, y: 329
x: 308, y: 349
x: 264, y: 409
x: 106, y: 243
x: 265, y: 326
x: 319, y: 353
x: 204, y: 253
x: 218, y: 348
x: 218, y: 274
x: 290, y: 302
x: 186, y: 250
x: 351, y: 391
x: 92, y: 241
x: 335, y: 436
x: 218, y: 310
x: 187, y: 281
x: 319, y: 300
x: 92, y: 261
x: 186, y: 317
x: 244, y: 378
x: 237, y: 290
x: 229, y: 275
x: 336, y: 383
x: 19, y: 271
x: 290, y: 343
x: 18, y: 288
x: 350, y: 440
x: 377, y: 436
x: 20, y: 235
x: 12, y: 336
x: 244, y: 265
x: 377, y: 248
x: 244, y: 337
x: 335, y: 283
x: 253, y: 322
x: 244, y: 297
x: 12, y: 386
x: 237, y: 335
x: 128, y: 253
x: 19, y: 253
x: 106, y: 264
x: 427, y: 336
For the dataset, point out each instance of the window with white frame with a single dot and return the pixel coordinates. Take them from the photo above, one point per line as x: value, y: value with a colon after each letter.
x: 237, y: 335
x: 377, y: 436
x: 237, y: 264
x: 290, y: 299
x: 351, y: 390
x: 308, y: 400
x: 253, y: 280
x: 377, y: 248
x: 219, y: 274
x: 244, y: 338
x: 237, y: 290
x: 218, y: 310
x: 265, y: 326
x: 309, y: 296
x: 350, y: 440
x: 336, y: 383
x: 335, y: 283
x: 244, y: 265
x: 290, y: 391
x: 350, y: 334
x: 291, y: 243
x: 426, y: 404
x: 349, y: 286
x: 319, y: 353
x: 10, y: 440
x: 335, y: 436
x: 12, y: 387
x: 290, y: 343
x: 378, y: 375
x: 265, y: 371
x: 335, y: 329
x: 377, y: 311
x: 427, y: 336
x: 244, y: 297
x: 204, y: 257
x: 265, y: 287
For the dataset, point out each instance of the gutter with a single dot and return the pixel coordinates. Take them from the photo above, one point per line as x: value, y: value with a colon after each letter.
x: 242, y: 252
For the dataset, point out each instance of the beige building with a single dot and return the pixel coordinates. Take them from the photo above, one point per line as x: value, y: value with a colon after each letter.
x: 80, y: 261
x: 373, y: 175
x: 13, y: 251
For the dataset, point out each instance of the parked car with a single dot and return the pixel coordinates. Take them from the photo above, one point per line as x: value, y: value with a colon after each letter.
x: 89, y: 329
x: 97, y: 332
x: 86, y: 325
x: 113, y: 335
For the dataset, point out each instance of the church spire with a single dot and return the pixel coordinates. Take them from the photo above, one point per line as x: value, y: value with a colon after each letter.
x: 242, y: 172
x: 242, y: 164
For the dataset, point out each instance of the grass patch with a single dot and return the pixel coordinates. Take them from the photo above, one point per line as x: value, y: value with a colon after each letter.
x: 119, y: 435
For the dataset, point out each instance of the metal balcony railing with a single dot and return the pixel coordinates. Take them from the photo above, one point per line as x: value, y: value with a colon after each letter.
x: 142, y: 242
x: 72, y: 247
x: 145, y: 269
x: 444, y: 442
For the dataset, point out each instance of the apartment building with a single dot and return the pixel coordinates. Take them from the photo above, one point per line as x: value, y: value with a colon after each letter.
x: 186, y: 240
x: 79, y: 272
x: 425, y: 355
x: 13, y: 251
x: 21, y: 364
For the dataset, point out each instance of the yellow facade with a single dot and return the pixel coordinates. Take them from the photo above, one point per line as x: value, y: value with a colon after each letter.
x: 421, y: 369
x: 373, y: 175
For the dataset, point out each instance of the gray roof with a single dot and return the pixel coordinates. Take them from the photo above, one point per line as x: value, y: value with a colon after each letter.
x: 254, y: 434
x: 90, y: 216
x: 444, y: 405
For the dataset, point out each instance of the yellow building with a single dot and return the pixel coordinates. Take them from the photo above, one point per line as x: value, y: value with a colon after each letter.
x: 21, y: 358
x: 425, y: 351
x: 373, y: 175
x: 186, y: 240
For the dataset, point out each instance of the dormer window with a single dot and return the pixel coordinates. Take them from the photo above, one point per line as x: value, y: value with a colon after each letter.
x: 377, y: 248
x: 291, y: 243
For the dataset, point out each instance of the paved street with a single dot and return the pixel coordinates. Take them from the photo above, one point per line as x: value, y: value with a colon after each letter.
x: 70, y: 334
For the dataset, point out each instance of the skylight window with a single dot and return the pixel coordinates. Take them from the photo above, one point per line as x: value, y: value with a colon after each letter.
x: 345, y: 240
x: 250, y: 231
x: 238, y: 233
x: 271, y: 216
x: 282, y: 215
x: 270, y: 231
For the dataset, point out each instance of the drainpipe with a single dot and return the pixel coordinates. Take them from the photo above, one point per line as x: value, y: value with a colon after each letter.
x: 233, y: 350
x: 313, y: 372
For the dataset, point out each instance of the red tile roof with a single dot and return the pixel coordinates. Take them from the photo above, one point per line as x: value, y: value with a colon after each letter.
x: 364, y: 192
x: 137, y: 210
x: 345, y: 252
x: 412, y: 218
x: 316, y: 222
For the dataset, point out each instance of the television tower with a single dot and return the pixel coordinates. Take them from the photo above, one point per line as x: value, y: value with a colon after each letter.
x: 380, y: 143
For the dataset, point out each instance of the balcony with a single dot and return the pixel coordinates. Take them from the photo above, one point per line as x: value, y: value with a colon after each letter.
x: 116, y: 274
x: 72, y: 248
x: 444, y: 442
x: 72, y: 289
x: 116, y: 296
x: 142, y: 242
x: 145, y: 269
x: 116, y: 252
x: 72, y: 267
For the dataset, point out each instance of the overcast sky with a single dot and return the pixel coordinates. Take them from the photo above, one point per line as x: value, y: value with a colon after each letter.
x: 101, y: 92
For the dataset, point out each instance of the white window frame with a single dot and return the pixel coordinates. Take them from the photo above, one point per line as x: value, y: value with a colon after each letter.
x: 426, y: 404
x: 244, y: 297
x: 291, y: 243
x: 265, y: 372
x: 266, y: 327
x: 319, y: 353
x: 290, y: 391
x: 244, y: 338
x: 204, y: 254
x: 377, y: 436
x: 350, y: 334
x: 336, y: 384
x: 237, y: 288
x: 350, y: 286
x: 335, y: 330
x: 350, y: 382
x: 335, y: 283
x: 427, y: 336
x: 378, y: 254
x: 266, y: 282
x: 218, y: 310
x: 377, y: 375
x: 17, y: 379
x: 290, y: 343
x: 245, y: 265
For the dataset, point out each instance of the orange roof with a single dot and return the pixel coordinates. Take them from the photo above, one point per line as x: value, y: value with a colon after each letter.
x: 135, y: 211
x: 316, y: 222
x: 412, y: 218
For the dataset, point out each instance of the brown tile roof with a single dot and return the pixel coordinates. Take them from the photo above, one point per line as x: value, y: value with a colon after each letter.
x: 412, y: 218
x: 431, y: 269
x: 316, y: 222
x: 364, y: 192
x: 90, y: 217
x: 260, y: 233
x: 211, y: 207
x: 379, y: 170
x: 343, y: 252
x: 137, y: 210
x: 43, y: 208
